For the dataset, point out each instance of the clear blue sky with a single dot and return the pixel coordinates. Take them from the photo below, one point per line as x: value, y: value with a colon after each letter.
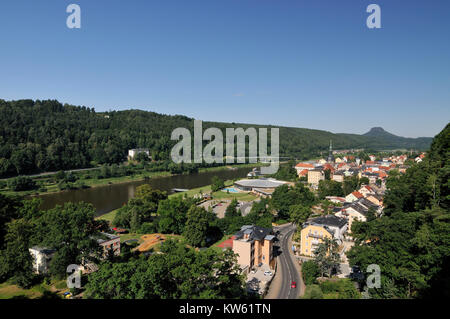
x: 302, y: 63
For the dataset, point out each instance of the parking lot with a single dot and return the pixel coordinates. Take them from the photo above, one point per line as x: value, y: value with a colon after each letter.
x: 258, y: 280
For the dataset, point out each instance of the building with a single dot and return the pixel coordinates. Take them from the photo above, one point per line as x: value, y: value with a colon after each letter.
x: 316, y: 230
x: 353, y: 196
x: 133, y: 152
x: 338, y: 176
x: 366, y: 190
x: 109, y: 243
x: 250, y: 185
x: 358, y: 210
x: 330, y: 158
x: 315, y: 176
x: 300, y: 167
x: 41, y: 258
x: 254, y: 246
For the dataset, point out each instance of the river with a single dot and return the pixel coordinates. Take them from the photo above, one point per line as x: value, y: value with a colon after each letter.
x: 110, y: 197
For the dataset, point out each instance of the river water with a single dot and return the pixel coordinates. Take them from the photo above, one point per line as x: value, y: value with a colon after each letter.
x: 110, y: 197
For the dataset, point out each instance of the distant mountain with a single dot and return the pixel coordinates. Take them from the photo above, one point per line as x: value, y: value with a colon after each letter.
x: 379, y: 132
x: 383, y: 136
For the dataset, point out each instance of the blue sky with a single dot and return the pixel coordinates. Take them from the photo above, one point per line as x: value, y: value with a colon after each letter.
x: 302, y: 63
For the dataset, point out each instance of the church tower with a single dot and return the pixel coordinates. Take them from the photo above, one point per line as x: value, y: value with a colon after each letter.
x: 330, y: 158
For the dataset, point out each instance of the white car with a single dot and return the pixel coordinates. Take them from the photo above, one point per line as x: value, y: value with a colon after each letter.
x: 267, y: 273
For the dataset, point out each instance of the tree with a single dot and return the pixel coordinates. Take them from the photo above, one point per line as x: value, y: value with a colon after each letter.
x: 217, y: 184
x: 197, y: 226
x: 299, y: 214
x: 68, y: 229
x: 178, y: 272
x: 326, y: 256
x: 329, y: 188
x: 172, y: 215
x: 310, y: 272
x: 16, y: 259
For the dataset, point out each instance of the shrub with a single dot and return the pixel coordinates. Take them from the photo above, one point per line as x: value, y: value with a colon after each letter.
x: 21, y: 183
x: 313, y: 292
x: 310, y: 271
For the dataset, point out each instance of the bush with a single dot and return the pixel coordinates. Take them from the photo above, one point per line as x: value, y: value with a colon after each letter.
x: 345, y: 288
x: 310, y: 271
x: 313, y: 292
x: 21, y: 183
x: 147, y: 228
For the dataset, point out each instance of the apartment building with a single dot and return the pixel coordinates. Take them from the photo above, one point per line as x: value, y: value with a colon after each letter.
x: 254, y: 246
x: 317, y: 229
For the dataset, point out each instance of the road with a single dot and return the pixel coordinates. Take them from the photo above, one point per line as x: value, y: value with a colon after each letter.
x: 287, y: 265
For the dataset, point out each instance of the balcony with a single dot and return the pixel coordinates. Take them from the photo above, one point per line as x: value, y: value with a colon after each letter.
x: 314, y: 236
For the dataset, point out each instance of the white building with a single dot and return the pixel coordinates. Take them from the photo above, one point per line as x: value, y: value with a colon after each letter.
x: 135, y: 151
x: 41, y: 258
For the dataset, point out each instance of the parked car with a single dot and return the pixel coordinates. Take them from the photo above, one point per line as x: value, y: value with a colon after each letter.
x: 267, y: 273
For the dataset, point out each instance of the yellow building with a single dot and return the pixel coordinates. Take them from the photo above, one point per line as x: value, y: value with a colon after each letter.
x: 315, y: 175
x: 316, y: 230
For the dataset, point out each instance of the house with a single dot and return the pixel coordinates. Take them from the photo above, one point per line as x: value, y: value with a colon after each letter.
x: 316, y: 230
x: 353, y: 196
x: 315, y: 175
x: 109, y: 243
x: 376, y: 199
x: 41, y: 257
x: 358, y: 210
x: 338, y: 176
x: 254, y: 246
x: 133, y: 152
x: 301, y: 167
x: 366, y: 190
x: 335, y: 199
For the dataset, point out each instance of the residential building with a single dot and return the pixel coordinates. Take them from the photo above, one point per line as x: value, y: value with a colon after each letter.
x: 41, y: 258
x: 254, y: 246
x: 353, y: 196
x: 133, y: 152
x: 317, y: 229
x: 109, y: 243
x: 315, y: 175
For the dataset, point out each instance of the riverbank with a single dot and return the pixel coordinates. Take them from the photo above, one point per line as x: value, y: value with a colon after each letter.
x: 219, y: 195
x: 47, y: 185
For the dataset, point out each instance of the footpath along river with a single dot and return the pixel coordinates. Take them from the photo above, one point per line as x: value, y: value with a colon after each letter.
x: 110, y: 197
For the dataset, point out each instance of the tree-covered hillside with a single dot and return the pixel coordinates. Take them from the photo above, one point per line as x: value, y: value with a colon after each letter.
x: 37, y: 136
x: 411, y: 242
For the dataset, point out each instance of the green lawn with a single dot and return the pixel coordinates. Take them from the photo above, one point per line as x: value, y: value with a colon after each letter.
x: 9, y: 290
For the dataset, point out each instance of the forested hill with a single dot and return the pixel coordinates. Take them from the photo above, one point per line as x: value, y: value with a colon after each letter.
x: 38, y: 136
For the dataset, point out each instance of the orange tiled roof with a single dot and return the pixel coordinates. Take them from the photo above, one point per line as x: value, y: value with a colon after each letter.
x: 305, y: 165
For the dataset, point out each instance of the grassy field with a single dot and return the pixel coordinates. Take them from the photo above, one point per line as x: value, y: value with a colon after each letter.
x: 55, y: 288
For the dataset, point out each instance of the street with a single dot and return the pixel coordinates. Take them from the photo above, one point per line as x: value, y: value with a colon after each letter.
x: 287, y: 271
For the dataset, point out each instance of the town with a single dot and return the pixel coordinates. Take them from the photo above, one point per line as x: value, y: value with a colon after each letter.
x: 276, y: 240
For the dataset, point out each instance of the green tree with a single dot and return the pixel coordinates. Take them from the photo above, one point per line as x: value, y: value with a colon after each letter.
x: 16, y: 261
x: 310, y: 272
x: 326, y: 256
x: 198, y: 226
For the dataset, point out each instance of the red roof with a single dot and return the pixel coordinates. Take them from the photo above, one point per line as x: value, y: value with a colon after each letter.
x: 357, y: 194
x: 370, y: 162
x: 303, y: 172
x: 227, y: 243
x: 305, y: 165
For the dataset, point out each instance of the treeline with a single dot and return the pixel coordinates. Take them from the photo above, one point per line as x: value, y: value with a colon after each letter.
x: 411, y: 242
x: 38, y: 136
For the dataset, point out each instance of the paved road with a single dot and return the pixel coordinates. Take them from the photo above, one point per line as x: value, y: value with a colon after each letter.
x: 286, y: 263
